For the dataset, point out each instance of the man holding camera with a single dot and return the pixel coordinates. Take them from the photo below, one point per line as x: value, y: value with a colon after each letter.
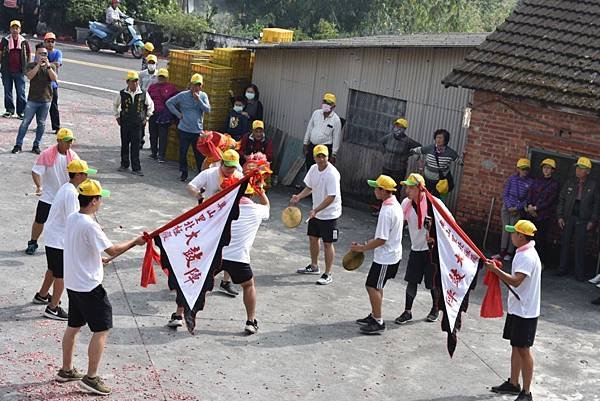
x: 41, y: 73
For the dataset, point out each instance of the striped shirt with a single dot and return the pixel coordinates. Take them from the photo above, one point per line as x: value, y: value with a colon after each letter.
x: 434, y: 167
x: 515, y: 191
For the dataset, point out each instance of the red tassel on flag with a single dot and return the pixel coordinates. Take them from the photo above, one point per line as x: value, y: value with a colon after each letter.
x: 492, y: 301
x: 151, y: 256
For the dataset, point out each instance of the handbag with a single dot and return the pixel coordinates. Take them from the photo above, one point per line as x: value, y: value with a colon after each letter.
x: 445, y: 183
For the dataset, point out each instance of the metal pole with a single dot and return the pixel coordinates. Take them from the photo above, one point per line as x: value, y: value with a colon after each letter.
x: 487, y: 227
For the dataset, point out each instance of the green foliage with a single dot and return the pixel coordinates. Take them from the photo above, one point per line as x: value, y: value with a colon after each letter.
x: 325, y: 30
x: 185, y: 29
x: 148, y: 10
x: 79, y: 12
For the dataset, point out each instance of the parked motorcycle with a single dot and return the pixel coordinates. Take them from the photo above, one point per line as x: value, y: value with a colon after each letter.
x: 102, y: 36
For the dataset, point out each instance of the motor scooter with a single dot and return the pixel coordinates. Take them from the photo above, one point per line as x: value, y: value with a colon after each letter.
x: 102, y: 36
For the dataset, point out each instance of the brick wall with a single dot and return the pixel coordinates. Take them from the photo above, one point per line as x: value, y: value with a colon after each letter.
x: 500, y: 134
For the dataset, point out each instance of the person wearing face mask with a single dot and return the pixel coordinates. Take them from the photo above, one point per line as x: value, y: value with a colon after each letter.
x: 396, y: 148
x: 237, y: 123
x: 148, y: 77
x: 253, y: 108
x: 324, y: 127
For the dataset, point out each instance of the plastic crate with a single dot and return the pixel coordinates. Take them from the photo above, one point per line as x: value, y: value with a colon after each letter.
x: 172, y: 152
x: 277, y: 35
x: 212, y: 73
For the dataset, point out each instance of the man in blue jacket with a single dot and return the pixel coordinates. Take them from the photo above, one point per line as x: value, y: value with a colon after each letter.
x: 189, y: 106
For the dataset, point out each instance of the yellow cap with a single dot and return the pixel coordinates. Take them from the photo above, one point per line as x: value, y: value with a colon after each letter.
x: 197, y: 79
x: 402, y: 122
x: 80, y: 166
x: 383, y: 182
x: 258, y: 124
x: 584, y: 162
x: 15, y: 22
x: 321, y: 150
x: 149, y: 46
x: 163, y: 72
x: 548, y: 162
x: 92, y: 188
x: 522, y: 226
x: 231, y: 158
x: 523, y: 163
x: 132, y: 76
x: 329, y: 97
x: 414, y: 179
x: 152, y: 57
x: 64, y: 135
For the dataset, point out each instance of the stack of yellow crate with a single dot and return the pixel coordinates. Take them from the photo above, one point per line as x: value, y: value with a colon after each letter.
x: 217, y: 82
x: 180, y: 63
x: 277, y: 35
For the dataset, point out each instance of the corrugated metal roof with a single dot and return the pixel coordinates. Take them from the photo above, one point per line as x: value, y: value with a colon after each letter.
x: 548, y: 51
x: 390, y: 41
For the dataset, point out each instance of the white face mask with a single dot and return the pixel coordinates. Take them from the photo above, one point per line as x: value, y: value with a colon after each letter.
x: 151, y: 67
x: 239, y: 109
x: 326, y: 108
x: 249, y: 95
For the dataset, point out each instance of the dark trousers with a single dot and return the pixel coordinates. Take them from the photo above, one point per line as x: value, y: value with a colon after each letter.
x: 18, y: 80
x: 542, y: 240
x: 310, y: 159
x: 54, y: 115
x: 30, y: 22
x: 187, y: 139
x: 130, y: 145
x: 398, y: 176
x: 574, y: 227
x: 158, y: 137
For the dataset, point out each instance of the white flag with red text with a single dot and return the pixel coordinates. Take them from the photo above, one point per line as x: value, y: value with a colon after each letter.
x: 191, y: 245
x: 458, y: 262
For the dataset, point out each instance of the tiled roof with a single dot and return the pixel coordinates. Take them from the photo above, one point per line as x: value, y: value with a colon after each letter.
x: 392, y: 41
x: 547, y: 50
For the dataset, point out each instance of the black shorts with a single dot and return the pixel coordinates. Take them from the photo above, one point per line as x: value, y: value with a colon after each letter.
x: 239, y: 272
x: 54, y: 258
x: 520, y: 331
x: 419, y: 266
x: 380, y: 274
x: 41, y: 212
x: 324, y: 229
x: 92, y: 308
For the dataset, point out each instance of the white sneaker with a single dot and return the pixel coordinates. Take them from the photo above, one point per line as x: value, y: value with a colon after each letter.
x: 507, y: 257
x: 595, y: 280
x: 325, y: 279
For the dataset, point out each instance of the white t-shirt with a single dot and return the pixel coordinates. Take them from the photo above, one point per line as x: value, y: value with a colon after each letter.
x: 526, y: 261
x: 243, y: 232
x: 52, y: 177
x: 323, y: 184
x: 389, y: 228
x: 210, y: 179
x: 65, y: 203
x: 418, y: 237
x: 84, y: 243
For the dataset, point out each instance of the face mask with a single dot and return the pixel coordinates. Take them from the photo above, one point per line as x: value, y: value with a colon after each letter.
x: 398, y: 132
x: 326, y: 108
x: 238, y: 109
x: 151, y: 67
x: 249, y: 95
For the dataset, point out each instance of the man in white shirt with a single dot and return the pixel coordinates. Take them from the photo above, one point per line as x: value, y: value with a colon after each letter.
x: 521, y: 320
x: 113, y: 19
x: 323, y: 182
x: 387, y: 246
x: 65, y: 203
x: 132, y: 107
x: 324, y: 127
x: 418, y: 215
x: 49, y: 170
x: 84, y: 271
x: 236, y: 255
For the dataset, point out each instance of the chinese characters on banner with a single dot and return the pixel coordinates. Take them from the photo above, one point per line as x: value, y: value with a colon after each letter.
x: 191, y: 245
x: 458, y: 265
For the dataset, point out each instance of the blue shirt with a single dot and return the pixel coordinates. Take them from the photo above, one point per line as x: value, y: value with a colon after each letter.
x: 189, y: 110
x: 55, y: 56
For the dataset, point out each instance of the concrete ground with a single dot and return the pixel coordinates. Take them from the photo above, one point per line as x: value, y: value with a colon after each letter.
x: 308, y: 346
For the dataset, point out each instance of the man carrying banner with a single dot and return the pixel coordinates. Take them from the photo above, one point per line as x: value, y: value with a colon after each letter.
x: 521, y: 320
x: 84, y: 271
x: 418, y: 215
x: 236, y: 256
x: 323, y: 182
x: 387, y: 246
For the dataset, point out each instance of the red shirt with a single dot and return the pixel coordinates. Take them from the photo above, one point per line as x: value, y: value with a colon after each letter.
x: 14, y: 56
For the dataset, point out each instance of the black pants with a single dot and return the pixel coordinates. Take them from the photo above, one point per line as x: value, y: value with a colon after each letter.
x: 576, y: 227
x: 158, y: 137
x: 541, y: 240
x: 187, y: 139
x: 310, y: 159
x: 130, y: 144
x: 30, y: 22
x: 54, y: 115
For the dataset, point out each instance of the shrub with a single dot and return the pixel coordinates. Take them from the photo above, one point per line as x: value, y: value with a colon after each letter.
x: 184, y: 29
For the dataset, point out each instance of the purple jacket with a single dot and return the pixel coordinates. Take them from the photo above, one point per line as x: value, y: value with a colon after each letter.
x: 543, y: 194
x: 515, y: 191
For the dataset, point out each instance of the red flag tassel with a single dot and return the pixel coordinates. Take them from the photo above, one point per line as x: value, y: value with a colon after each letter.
x: 151, y: 256
x: 492, y: 301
